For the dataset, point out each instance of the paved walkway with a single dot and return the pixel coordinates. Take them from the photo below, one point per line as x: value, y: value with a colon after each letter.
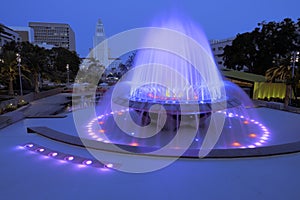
x: 275, y: 105
x: 52, y: 105
x: 45, y: 107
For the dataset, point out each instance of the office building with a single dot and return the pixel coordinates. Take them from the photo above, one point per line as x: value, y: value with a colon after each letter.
x: 7, y: 35
x: 26, y: 33
x: 217, y: 47
x: 57, y: 34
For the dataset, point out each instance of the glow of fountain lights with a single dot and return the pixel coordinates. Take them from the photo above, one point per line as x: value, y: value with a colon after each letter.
x: 64, y: 157
x: 87, y: 162
x: 134, y: 144
x: 262, y: 139
x: 40, y: 150
x: 109, y: 165
x: 247, y: 121
x: 69, y: 158
x: 28, y: 145
x: 53, y: 154
x: 230, y: 115
x: 101, y: 131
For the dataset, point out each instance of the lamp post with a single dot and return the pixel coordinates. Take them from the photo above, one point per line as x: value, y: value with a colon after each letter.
x: 68, y: 74
x: 294, y: 60
x: 20, y: 75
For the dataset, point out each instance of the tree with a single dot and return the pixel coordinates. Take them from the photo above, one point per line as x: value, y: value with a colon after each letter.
x: 36, y: 59
x: 91, y: 71
x: 9, y: 69
x: 268, y: 45
x: 60, y: 57
x: 282, y: 73
x: 288, y: 74
x: 37, y: 62
x: 241, y: 53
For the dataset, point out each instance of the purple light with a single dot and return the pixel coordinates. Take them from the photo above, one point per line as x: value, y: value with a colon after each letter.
x: 69, y: 158
x: 87, y: 162
x: 109, y: 165
x: 64, y: 158
x: 40, y: 150
x: 53, y: 154
x: 28, y: 145
x: 262, y: 136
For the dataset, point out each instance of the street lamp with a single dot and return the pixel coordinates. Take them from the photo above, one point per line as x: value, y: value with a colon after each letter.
x: 20, y: 75
x: 294, y: 60
x: 68, y: 74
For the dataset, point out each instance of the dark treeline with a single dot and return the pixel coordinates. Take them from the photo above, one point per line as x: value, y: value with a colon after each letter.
x: 37, y: 65
x: 270, y: 44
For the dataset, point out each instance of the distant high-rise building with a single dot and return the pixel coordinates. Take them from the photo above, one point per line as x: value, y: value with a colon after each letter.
x: 217, y: 47
x: 100, y: 52
x: 26, y: 33
x: 7, y: 35
x: 57, y: 34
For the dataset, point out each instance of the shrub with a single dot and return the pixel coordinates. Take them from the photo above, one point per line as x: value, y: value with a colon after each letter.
x: 22, y: 103
x: 10, y: 107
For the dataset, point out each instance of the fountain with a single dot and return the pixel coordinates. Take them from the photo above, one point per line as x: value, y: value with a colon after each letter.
x: 173, y: 103
x: 178, y: 102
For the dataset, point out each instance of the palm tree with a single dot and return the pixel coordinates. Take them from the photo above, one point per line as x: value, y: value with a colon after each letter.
x: 282, y: 73
x: 9, y: 69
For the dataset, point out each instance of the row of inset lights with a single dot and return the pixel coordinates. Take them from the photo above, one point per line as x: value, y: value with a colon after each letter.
x: 98, y: 137
x: 259, y: 142
x: 246, y: 121
x: 66, y: 157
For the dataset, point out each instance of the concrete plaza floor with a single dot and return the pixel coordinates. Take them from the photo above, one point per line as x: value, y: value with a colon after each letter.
x: 28, y: 175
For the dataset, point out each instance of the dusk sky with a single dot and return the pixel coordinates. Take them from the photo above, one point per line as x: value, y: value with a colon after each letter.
x: 219, y: 19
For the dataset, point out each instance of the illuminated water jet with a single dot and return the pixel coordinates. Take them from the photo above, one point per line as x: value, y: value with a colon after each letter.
x: 175, y: 98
